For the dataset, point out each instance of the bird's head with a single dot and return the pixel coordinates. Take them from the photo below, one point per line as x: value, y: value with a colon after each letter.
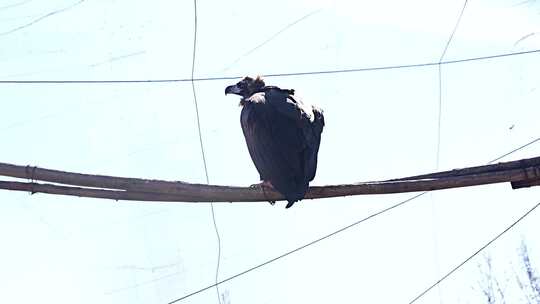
x: 246, y: 87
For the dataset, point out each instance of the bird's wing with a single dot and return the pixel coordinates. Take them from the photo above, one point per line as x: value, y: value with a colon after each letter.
x: 254, y: 133
x: 313, y: 135
x: 276, y: 146
x: 309, y: 120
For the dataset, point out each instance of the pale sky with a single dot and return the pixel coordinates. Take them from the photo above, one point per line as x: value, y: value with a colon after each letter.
x: 379, y: 125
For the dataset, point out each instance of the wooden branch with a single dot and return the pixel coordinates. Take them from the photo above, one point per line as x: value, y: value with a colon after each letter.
x: 522, y: 172
x: 523, y: 163
x: 87, y: 192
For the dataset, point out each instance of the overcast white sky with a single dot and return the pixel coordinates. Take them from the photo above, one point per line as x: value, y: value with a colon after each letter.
x: 380, y: 125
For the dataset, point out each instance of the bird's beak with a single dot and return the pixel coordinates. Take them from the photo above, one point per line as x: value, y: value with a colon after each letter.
x: 233, y: 89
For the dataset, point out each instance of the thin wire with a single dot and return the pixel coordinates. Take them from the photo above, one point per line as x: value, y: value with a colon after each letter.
x: 315, y: 241
x: 474, y: 254
x: 14, y: 5
x: 438, y: 157
x: 439, y: 120
x: 272, y: 37
x: 202, y: 144
x: 440, y: 79
x: 300, y: 248
x: 515, y: 150
x: 353, y: 70
x: 58, y: 11
x: 454, y: 30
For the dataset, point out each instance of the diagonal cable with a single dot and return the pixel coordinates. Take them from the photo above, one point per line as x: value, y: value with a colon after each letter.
x: 58, y: 11
x: 420, y: 295
x: 299, y: 248
x: 515, y: 150
x: 272, y: 38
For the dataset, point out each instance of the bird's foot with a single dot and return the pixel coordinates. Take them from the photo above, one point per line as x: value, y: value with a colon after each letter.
x: 264, y: 185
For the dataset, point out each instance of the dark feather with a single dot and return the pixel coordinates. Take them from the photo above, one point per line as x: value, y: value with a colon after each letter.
x: 283, y: 136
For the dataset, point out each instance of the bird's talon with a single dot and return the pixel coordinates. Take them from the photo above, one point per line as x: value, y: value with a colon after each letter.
x: 263, y: 184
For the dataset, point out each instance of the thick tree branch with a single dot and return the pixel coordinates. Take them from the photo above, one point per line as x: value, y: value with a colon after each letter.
x: 520, y: 173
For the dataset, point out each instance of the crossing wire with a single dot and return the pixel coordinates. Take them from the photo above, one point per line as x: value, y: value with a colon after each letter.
x: 338, y: 71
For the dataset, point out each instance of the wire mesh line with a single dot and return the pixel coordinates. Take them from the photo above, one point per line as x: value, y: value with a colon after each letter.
x: 301, y: 247
x: 195, y: 25
x: 515, y: 150
x: 440, y: 80
x: 55, y: 12
x: 475, y: 253
x: 439, y: 132
x: 272, y: 37
x: 454, y: 30
x: 439, y: 120
x: 14, y: 5
x: 338, y: 71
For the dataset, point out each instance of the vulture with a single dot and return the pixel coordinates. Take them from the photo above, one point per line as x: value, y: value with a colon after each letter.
x: 282, y: 134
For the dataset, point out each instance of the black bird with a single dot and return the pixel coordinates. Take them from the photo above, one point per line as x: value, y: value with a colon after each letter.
x: 282, y: 134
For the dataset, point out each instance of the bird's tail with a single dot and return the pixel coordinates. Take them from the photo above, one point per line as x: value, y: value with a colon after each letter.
x: 289, y: 204
x: 298, y: 196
